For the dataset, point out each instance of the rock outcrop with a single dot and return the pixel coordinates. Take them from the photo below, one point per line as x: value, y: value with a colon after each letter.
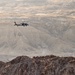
x: 43, y: 65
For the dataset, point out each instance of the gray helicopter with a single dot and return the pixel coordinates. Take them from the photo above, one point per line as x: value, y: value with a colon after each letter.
x: 21, y: 24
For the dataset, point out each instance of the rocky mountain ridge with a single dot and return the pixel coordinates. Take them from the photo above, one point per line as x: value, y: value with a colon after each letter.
x: 42, y: 65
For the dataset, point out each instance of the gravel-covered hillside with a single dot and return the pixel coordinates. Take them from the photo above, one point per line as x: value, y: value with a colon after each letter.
x: 43, y: 36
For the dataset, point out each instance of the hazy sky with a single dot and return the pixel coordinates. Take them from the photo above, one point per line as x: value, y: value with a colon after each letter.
x: 29, y: 8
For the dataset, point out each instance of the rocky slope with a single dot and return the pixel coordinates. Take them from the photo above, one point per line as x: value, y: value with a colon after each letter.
x: 44, y: 65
